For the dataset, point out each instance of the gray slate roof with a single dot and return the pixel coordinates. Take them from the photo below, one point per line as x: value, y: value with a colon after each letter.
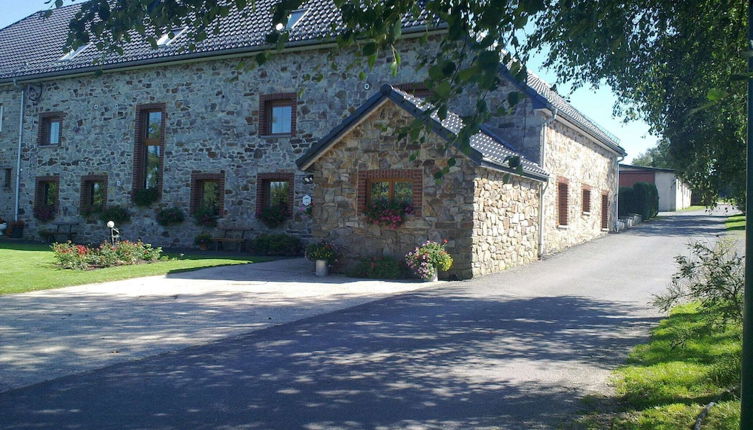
x: 487, y: 149
x: 33, y: 46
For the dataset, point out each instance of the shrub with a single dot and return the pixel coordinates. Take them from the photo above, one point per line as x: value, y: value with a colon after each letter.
x: 80, y: 257
x: 116, y: 214
x: 625, y: 201
x: 273, y: 216
x: 645, y: 200
x: 428, y: 258
x: 44, y: 213
x: 323, y: 251
x: 145, y: 197
x: 379, y: 268
x: 388, y: 213
x: 713, y: 276
x: 202, y: 239
x: 171, y: 216
x: 276, y: 244
x: 205, y: 217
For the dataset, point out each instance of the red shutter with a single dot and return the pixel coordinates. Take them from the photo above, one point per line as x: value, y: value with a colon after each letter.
x: 586, y: 200
x: 562, y: 202
x: 604, y: 211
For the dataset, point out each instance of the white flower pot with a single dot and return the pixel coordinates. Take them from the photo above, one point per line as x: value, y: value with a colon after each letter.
x: 433, y: 278
x: 321, y: 268
x: 3, y: 227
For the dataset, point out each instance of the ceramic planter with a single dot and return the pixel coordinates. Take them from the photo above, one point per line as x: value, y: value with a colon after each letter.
x: 321, y: 268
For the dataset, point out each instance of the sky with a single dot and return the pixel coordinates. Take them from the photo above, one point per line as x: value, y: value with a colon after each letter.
x: 596, y: 104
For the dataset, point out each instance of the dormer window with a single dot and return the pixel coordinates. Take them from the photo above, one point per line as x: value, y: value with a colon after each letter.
x: 167, y: 38
x: 293, y: 19
x: 74, y: 52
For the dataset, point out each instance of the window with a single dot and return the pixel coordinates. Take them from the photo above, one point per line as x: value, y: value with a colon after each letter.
x: 274, y: 189
x: 404, y: 185
x: 70, y: 55
x: 150, y: 137
x: 50, y: 128
x: 168, y: 38
x: 93, y: 193
x: 562, y: 203
x: 605, y: 211
x: 416, y: 89
x: 586, y: 200
x: 277, y: 115
x: 207, y: 193
x: 7, y: 177
x: 46, y: 197
x: 294, y: 18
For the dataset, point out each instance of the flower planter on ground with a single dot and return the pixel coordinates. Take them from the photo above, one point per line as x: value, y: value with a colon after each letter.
x: 428, y: 259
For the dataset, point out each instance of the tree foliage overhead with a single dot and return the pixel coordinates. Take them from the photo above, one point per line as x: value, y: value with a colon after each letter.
x: 479, y: 36
x: 676, y: 64
x: 657, y: 156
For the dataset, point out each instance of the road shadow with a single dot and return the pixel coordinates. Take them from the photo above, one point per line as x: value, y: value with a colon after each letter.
x: 687, y: 225
x: 426, y: 359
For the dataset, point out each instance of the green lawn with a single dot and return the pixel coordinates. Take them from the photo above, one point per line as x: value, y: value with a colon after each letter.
x: 693, y: 208
x: 29, y: 267
x: 735, y: 223
x: 666, y: 383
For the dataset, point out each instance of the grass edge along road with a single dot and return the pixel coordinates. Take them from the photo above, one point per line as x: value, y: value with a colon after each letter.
x: 28, y: 267
x: 666, y: 383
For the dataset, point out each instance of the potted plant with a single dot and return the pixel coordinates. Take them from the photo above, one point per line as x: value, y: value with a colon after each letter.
x: 203, y: 240
x: 324, y: 254
x: 3, y: 226
x: 16, y: 229
x: 426, y: 260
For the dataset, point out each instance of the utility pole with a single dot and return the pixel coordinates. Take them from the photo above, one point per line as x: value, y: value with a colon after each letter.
x: 746, y: 384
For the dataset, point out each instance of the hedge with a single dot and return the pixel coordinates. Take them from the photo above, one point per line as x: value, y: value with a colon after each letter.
x: 641, y: 199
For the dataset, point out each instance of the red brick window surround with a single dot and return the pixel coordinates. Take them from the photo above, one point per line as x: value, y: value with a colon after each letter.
x: 586, y: 199
x: 562, y: 202
x: 47, y: 195
x: 399, y: 184
x: 149, y: 151
x: 277, y: 114
x: 93, y: 193
x: 605, y: 211
x: 275, y: 189
x: 208, y: 192
x: 50, y: 128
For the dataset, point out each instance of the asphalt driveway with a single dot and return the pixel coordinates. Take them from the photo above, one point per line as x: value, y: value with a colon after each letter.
x: 512, y: 351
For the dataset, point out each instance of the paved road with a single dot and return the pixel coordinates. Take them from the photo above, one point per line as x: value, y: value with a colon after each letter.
x: 512, y: 351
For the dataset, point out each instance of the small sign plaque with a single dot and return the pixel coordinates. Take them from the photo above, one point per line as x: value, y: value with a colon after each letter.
x: 306, y: 200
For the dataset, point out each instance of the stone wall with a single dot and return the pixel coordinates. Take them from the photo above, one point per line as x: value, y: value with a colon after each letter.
x: 571, y: 156
x: 10, y: 100
x: 505, y: 222
x: 212, y: 126
x: 446, y: 206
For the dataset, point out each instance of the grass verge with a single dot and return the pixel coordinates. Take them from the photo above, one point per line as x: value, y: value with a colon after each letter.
x: 693, y: 208
x: 666, y: 382
x: 30, y: 267
x: 735, y: 223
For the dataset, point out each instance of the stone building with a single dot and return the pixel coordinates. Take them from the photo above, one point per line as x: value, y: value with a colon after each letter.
x: 81, y: 131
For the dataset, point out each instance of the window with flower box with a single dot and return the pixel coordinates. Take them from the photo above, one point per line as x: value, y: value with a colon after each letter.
x: 47, y: 197
x: 93, y: 194
x: 400, y: 186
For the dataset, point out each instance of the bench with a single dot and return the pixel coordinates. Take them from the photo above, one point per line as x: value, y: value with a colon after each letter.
x: 233, y: 235
x: 64, y: 230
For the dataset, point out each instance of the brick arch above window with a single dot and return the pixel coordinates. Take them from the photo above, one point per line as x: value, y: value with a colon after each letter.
x: 413, y: 176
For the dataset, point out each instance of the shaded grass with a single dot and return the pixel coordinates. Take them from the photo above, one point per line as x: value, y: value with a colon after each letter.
x: 30, y: 267
x: 666, y: 382
x: 735, y: 223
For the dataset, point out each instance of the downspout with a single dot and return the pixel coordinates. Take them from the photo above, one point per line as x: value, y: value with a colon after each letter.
x: 543, y: 187
x: 18, y: 156
x: 617, y: 192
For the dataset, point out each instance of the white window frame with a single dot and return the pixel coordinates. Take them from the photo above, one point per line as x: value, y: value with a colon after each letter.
x: 166, y: 40
x: 70, y: 55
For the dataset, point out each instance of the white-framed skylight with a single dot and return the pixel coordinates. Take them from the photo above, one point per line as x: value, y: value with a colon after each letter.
x: 70, y: 55
x: 166, y: 39
x: 295, y: 17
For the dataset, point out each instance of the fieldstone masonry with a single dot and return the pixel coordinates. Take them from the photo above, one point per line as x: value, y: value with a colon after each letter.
x: 212, y: 126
